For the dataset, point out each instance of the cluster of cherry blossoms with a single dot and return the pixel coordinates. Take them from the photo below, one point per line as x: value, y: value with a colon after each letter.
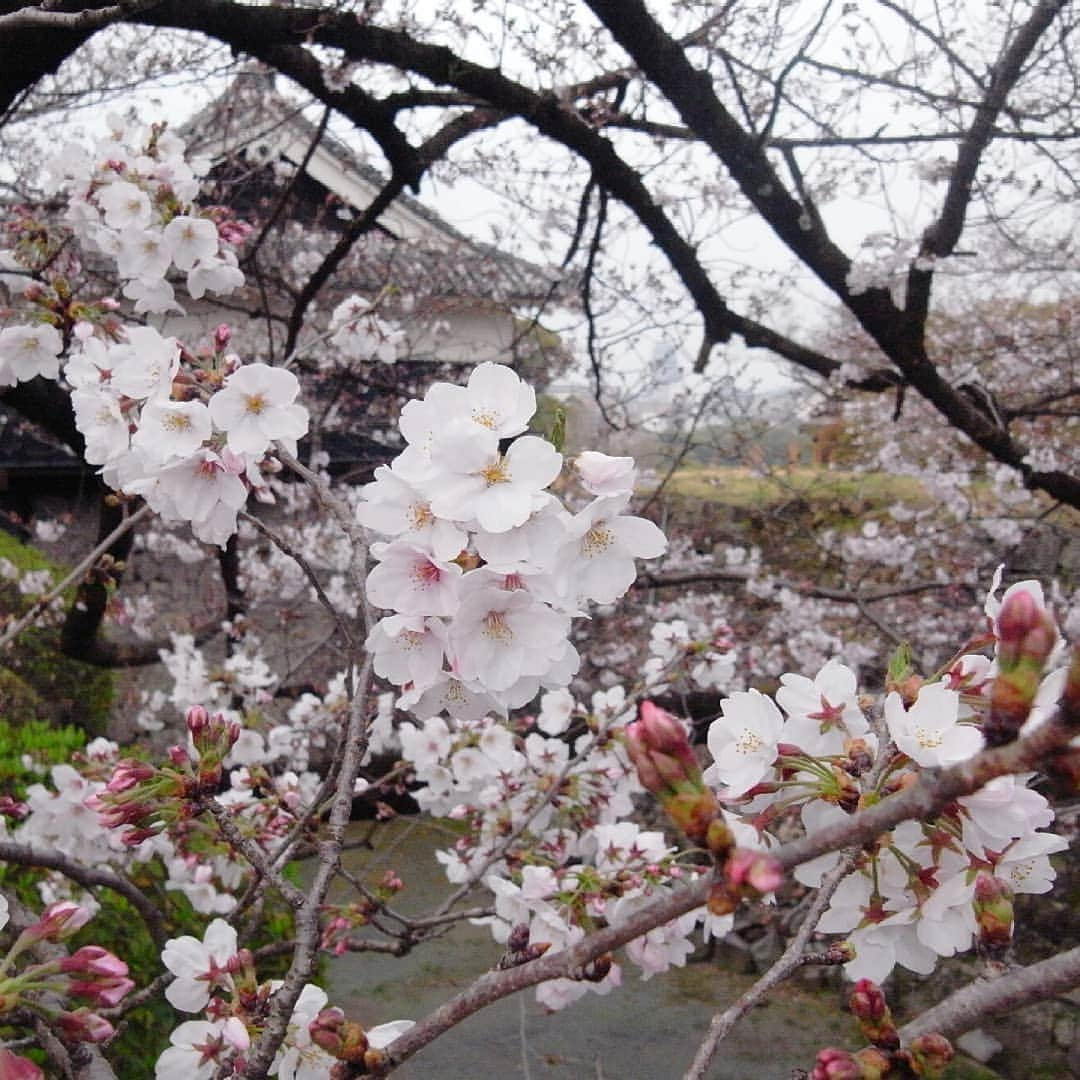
x: 358, y: 333
x: 187, y: 432
x: 921, y: 892
x: 122, y: 813
x: 131, y: 199
x: 217, y: 977
x: 486, y: 568
x: 546, y: 803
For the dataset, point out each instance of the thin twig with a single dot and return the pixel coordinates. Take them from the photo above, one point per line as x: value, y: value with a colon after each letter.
x: 88, y: 877
x: 251, y: 851
x: 789, y: 962
x: 42, y: 603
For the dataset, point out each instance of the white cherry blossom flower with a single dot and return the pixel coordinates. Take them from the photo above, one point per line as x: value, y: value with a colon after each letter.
x: 946, y: 921
x: 452, y: 695
x: 743, y: 741
x: 194, y: 489
x: 103, y: 426
x: 299, y: 1058
x: 408, y: 580
x: 1000, y: 812
x: 823, y: 712
x: 219, y: 275
x: 425, y: 746
x: 1026, y: 864
x: 172, y: 429
x: 126, y: 205
x: 394, y: 507
x: 497, y: 637
x: 192, y: 239
x: 199, y: 966
x: 145, y: 364
x: 473, y: 480
x: 498, y: 400
x: 27, y: 351
x: 257, y: 406
x: 144, y: 254
x: 361, y: 335
x: 661, y: 948
x: 879, y: 947
x: 407, y: 649
x: 154, y: 296
x: 556, y: 709
x: 929, y: 732
x: 200, y: 1047
x: 603, y: 475
x: 598, y: 559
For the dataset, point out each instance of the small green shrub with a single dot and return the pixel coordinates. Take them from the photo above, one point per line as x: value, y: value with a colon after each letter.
x: 35, y: 739
x: 37, y: 682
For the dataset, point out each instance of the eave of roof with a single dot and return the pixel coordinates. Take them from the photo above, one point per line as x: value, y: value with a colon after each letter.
x: 251, y: 112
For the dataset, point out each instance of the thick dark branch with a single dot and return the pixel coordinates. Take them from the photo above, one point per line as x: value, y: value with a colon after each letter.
x: 974, y: 1004
x: 359, y: 106
x: 924, y: 801
x: 89, y: 877
x: 258, y: 29
x: 691, y: 91
x: 32, y: 52
x: 820, y: 592
x: 52, y: 18
x: 941, y: 237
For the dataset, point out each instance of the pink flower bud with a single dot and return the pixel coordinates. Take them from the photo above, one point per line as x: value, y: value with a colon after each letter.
x: 325, y: 1030
x: 82, y: 1025
x: 198, y: 720
x: 222, y: 337
x: 871, y: 1010
x: 867, y: 1001
x: 833, y: 1064
x: 12, y: 808
x: 134, y: 837
x: 179, y: 756
x: 1018, y: 615
x: 13, y: 1067
x: 930, y: 1053
x: 58, y: 921
x: 107, y: 990
x: 759, y: 871
x: 129, y: 773
x: 993, y: 906
x: 93, y: 960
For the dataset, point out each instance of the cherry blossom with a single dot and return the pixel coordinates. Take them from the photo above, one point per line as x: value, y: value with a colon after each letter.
x: 257, y: 406
x: 199, y: 966
x: 27, y: 351
x: 200, y: 1048
x: 598, y: 559
x: 743, y: 741
x: 929, y: 732
x: 474, y: 480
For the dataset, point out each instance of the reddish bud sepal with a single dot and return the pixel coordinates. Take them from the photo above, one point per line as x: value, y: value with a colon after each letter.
x: 867, y: 1002
x: 993, y: 905
x: 668, y: 767
x: 1026, y: 637
x: 929, y: 1055
x: 833, y: 1064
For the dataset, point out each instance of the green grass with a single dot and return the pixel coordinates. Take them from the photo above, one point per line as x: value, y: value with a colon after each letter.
x: 37, y: 682
x: 24, y: 556
x: 738, y: 486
